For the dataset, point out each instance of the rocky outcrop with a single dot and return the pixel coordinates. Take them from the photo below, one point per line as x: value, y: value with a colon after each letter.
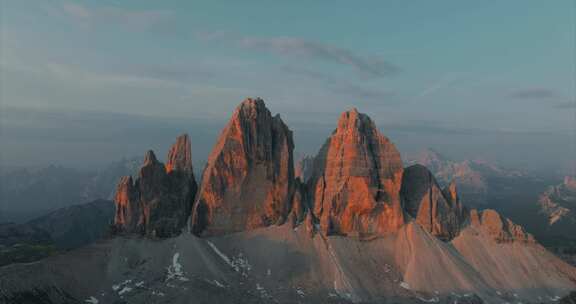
x: 558, y: 202
x: 180, y: 156
x: 438, y: 212
x: 501, y: 229
x: 249, y: 179
x: 355, y: 183
x: 158, y: 203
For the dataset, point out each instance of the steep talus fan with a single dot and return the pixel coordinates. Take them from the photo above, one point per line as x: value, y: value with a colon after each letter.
x: 501, y: 229
x: 159, y: 202
x: 249, y: 179
x: 355, y: 181
x: 438, y: 212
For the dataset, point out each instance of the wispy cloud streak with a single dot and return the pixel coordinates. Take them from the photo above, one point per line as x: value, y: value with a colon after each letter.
x: 132, y: 19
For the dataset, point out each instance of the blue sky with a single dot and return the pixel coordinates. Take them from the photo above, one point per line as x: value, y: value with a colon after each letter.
x: 501, y: 72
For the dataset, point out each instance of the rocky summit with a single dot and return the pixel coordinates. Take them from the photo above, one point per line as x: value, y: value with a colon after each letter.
x: 499, y: 227
x: 249, y: 179
x: 356, y: 178
x: 354, y: 227
x: 158, y: 203
x: 437, y: 211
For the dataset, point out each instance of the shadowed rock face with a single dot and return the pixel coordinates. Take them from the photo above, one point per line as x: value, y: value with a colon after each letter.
x: 159, y: 202
x: 355, y: 183
x: 438, y: 212
x: 304, y: 168
x: 249, y: 179
x: 503, y: 230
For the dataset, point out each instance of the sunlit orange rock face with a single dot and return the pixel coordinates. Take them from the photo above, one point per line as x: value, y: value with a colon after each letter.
x: 439, y: 212
x: 158, y: 203
x: 249, y: 179
x: 503, y: 230
x: 127, y: 213
x: 356, y: 178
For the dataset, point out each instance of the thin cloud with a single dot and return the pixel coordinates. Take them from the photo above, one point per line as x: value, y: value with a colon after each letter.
x: 565, y: 105
x: 344, y: 88
x: 443, y: 83
x: 534, y: 93
x: 367, y: 66
x: 364, y: 94
x: 309, y: 73
x: 297, y: 47
x: 132, y: 19
x: 551, y: 97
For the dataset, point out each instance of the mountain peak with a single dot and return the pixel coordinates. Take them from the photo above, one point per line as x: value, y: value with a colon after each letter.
x: 354, y: 121
x: 430, y: 156
x: 249, y: 179
x: 157, y: 204
x: 356, y: 179
x: 150, y: 158
x: 180, y: 155
x: 252, y: 104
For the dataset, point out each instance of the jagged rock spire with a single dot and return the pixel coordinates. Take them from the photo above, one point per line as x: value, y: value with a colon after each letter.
x: 439, y: 212
x: 150, y: 158
x: 249, y: 179
x: 355, y: 183
x: 180, y: 155
x: 158, y: 203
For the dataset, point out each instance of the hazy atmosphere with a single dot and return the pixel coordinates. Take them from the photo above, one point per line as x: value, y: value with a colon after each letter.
x: 84, y: 83
x: 311, y: 152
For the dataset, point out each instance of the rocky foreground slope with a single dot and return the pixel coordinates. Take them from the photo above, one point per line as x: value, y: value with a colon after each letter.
x: 361, y: 229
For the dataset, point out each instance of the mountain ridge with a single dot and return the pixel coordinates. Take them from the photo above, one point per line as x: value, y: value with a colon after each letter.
x: 362, y: 229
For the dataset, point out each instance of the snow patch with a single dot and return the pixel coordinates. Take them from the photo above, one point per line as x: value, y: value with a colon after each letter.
x: 158, y: 293
x: 117, y: 287
x: 405, y: 285
x: 239, y: 263
x: 263, y: 293
x: 176, y: 271
x: 124, y: 290
x: 219, y: 253
x: 91, y: 300
x: 432, y: 300
x: 218, y: 284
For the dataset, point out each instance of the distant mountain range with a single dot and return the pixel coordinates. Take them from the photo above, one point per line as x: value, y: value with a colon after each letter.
x: 558, y: 203
x: 351, y: 225
x: 479, y: 182
x: 60, y: 230
x: 543, y: 208
x: 27, y: 193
